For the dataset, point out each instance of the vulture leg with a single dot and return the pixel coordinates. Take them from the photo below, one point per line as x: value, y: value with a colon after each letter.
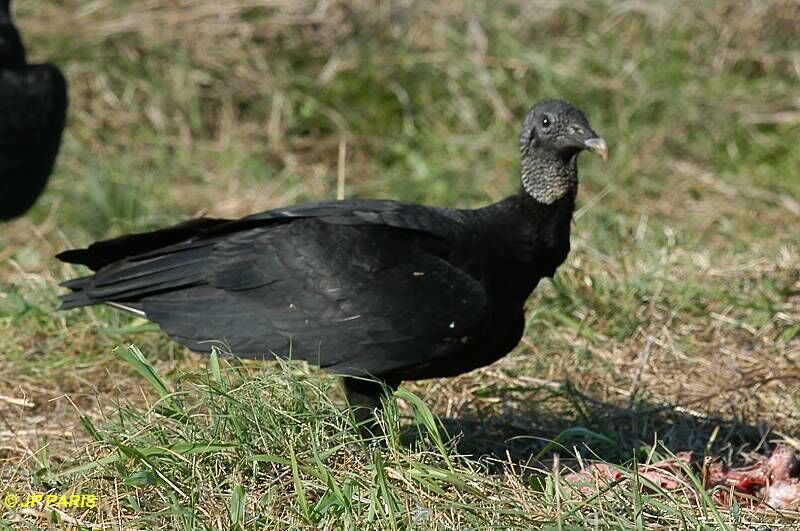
x: 364, y: 398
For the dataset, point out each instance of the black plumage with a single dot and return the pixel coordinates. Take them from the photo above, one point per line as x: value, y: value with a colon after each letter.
x: 33, y: 104
x: 376, y: 288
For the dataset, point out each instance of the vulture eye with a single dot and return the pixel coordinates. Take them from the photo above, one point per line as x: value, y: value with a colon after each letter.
x: 546, y: 122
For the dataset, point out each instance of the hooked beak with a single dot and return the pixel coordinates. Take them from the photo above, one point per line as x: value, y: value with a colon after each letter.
x: 597, y: 145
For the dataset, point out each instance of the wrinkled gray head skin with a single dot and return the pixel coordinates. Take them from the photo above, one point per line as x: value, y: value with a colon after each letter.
x: 553, y: 134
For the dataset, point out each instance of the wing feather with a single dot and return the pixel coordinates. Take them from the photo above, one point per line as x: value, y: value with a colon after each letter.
x: 346, y: 298
x: 358, y: 287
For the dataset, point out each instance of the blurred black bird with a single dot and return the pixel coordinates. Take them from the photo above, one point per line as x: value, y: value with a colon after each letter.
x: 33, y: 104
x: 374, y: 288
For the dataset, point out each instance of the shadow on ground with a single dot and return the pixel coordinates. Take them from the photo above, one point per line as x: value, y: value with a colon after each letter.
x: 599, y: 430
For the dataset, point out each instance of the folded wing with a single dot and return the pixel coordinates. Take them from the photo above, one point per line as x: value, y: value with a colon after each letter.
x: 356, y: 287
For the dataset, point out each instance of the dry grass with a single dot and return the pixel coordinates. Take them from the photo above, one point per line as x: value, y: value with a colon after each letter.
x: 675, y: 321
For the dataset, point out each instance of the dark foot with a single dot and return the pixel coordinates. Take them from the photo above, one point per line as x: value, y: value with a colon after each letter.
x: 364, y: 398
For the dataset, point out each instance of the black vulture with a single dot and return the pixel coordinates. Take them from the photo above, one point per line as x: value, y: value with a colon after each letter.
x: 33, y: 104
x: 363, y: 288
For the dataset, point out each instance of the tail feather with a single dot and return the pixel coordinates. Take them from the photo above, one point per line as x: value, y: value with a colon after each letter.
x: 76, y: 284
x: 76, y: 299
x: 125, y: 282
x: 101, y: 254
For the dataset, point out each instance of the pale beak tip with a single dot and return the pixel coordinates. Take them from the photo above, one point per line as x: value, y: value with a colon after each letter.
x: 598, y: 145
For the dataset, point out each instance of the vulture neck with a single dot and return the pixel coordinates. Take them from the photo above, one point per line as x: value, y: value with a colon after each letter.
x: 533, y: 226
x: 5, y: 12
x: 524, y: 229
x: 548, y: 177
x: 12, y: 54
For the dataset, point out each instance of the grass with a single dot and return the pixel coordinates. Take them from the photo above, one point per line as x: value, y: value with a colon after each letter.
x: 674, y: 325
